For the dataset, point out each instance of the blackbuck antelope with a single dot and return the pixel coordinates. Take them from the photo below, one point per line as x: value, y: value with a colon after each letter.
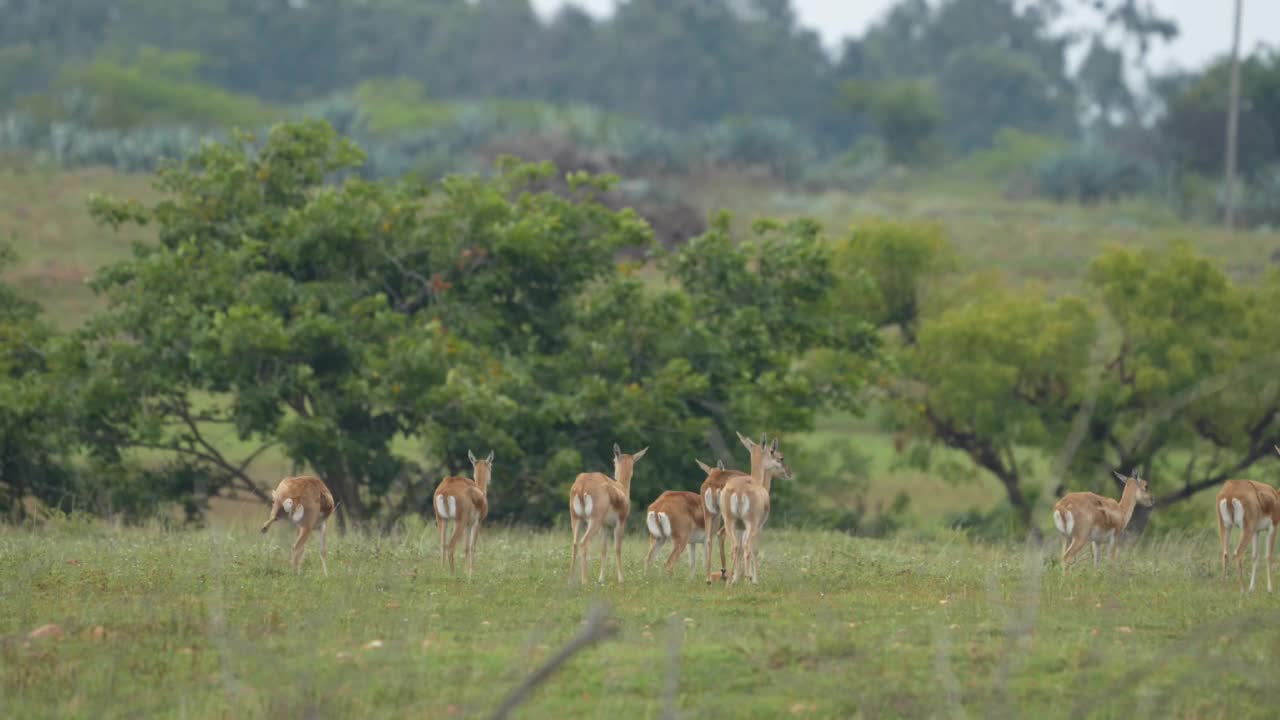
x: 672, y: 517
x: 601, y: 501
x: 710, y: 492
x: 678, y: 516
x: 306, y: 501
x: 463, y: 501
x: 1253, y: 507
x: 745, y: 499
x: 1088, y: 518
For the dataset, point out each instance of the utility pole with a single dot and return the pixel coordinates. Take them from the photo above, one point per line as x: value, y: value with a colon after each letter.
x: 1233, y: 120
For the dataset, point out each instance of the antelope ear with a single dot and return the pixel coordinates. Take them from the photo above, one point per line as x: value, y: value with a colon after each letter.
x: 774, y: 445
x: 638, y: 455
x: 490, y: 458
x: 746, y: 441
x: 719, y: 464
x: 1121, y: 477
x: 705, y: 468
x: 471, y: 457
x: 1277, y: 447
x: 763, y: 438
x: 1136, y: 475
x: 617, y: 451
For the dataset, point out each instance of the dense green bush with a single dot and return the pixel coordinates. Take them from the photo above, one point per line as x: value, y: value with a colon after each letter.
x: 1261, y: 202
x: 832, y: 481
x: 1091, y: 173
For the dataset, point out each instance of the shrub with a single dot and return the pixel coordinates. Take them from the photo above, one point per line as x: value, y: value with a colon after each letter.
x: 831, y: 490
x: 1260, y: 205
x: 1091, y: 173
x: 1012, y: 158
x: 156, y: 91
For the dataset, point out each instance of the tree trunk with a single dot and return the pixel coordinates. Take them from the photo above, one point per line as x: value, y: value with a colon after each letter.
x: 347, y: 495
x: 1021, y: 507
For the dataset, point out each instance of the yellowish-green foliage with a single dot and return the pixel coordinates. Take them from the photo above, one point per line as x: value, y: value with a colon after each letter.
x: 212, y: 624
x: 399, y: 104
x: 158, y: 87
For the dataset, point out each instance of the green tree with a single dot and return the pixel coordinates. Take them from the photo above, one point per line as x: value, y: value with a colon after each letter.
x: 336, y: 320
x: 906, y: 113
x: 985, y: 89
x: 35, y: 437
x: 1170, y: 369
x: 1187, y: 387
x: 1196, y: 110
x: 896, y: 258
x: 998, y: 374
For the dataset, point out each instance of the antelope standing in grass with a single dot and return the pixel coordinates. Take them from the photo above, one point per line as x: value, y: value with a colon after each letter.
x: 680, y: 516
x: 1088, y: 518
x: 710, y: 492
x: 1253, y: 507
x: 465, y: 502
x: 601, y: 501
x: 745, y: 499
x: 306, y: 501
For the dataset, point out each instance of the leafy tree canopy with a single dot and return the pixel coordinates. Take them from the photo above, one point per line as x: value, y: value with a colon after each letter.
x: 343, y: 321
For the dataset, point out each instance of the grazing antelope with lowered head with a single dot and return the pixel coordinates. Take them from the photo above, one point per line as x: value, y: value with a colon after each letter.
x: 1088, y: 518
x: 710, y: 492
x: 679, y: 516
x: 1253, y: 507
x: 465, y: 502
x: 306, y: 501
x: 745, y: 499
x: 601, y: 501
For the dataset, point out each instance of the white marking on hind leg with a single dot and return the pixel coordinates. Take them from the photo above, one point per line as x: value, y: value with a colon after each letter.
x: 709, y: 500
x: 297, y: 514
x: 1224, y: 513
x: 652, y: 521
x: 1239, y: 511
x: 665, y: 520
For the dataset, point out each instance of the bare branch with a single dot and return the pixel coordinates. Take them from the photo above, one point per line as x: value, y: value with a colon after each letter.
x: 675, y: 632
x: 599, y: 627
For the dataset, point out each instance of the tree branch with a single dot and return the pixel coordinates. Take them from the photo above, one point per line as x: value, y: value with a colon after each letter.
x: 599, y: 628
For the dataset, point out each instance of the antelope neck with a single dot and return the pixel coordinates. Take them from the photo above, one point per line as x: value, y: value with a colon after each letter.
x: 482, y: 479
x: 757, y: 468
x: 1128, y: 501
x: 622, y: 474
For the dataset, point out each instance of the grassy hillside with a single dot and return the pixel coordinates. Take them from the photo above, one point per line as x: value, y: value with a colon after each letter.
x: 212, y: 624
x: 1028, y: 239
x: 43, y: 215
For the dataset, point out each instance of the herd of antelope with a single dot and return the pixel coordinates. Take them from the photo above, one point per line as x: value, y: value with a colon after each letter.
x: 735, y: 504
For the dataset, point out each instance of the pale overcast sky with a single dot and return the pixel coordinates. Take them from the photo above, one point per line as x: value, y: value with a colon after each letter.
x: 1205, y: 24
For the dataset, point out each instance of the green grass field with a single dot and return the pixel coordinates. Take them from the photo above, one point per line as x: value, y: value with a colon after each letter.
x: 212, y: 624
